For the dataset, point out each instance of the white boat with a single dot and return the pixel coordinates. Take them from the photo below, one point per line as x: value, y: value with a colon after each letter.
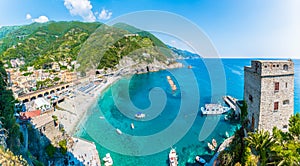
x: 173, y: 158
x: 200, y: 160
x: 227, y: 134
x: 108, y: 161
x: 214, y: 143
x: 119, y: 131
x: 214, y: 109
x: 226, y: 117
x: 211, y: 147
x: 132, y: 126
x: 140, y: 115
x: 101, y: 117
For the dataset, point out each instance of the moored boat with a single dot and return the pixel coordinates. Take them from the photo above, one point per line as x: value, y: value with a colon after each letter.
x: 211, y: 147
x: 132, y: 126
x: 119, y: 131
x: 214, y: 109
x: 108, y: 161
x: 140, y: 115
x: 227, y: 134
x: 226, y: 117
x: 200, y: 160
x: 214, y: 143
x: 173, y: 158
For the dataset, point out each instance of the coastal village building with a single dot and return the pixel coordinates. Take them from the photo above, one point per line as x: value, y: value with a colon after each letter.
x: 269, y: 93
x: 70, y: 76
x: 45, y: 125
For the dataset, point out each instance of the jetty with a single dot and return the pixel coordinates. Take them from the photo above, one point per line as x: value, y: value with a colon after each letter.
x: 222, y: 147
x: 171, y: 83
x: 233, y: 103
x: 230, y: 101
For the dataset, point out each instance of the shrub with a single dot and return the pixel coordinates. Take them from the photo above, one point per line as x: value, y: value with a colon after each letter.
x: 63, y: 146
x: 50, y: 150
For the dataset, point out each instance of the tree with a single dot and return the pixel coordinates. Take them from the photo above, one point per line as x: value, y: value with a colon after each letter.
x: 7, y: 158
x: 294, y: 126
x: 261, y: 144
x: 63, y: 146
x: 56, y: 79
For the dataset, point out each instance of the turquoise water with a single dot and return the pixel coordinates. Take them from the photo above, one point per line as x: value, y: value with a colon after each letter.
x: 172, y: 118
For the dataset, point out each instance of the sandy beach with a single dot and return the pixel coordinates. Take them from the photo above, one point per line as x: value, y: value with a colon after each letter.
x: 73, y: 110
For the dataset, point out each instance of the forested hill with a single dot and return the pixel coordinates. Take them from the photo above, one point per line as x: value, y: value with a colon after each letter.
x: 109, y: 44
x: 43, y: 43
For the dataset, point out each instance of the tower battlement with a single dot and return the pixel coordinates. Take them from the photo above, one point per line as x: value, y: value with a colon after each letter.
x: 271, y: 67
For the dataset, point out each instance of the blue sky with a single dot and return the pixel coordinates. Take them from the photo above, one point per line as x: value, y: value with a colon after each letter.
x: 237, y: 28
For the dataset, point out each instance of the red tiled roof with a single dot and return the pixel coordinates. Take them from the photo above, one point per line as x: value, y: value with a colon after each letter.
x: 30, y: 114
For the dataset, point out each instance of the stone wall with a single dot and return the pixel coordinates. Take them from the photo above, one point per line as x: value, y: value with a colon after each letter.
x: 252, y: 87
x: 279, y: 118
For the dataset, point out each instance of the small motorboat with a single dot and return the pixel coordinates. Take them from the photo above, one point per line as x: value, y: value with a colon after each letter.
x: 189, y: 66
x: 211, y: 147
x: 119, y: 131
x: 140, y: 115
x: 101, y: 117
x: 226, y: 117
x: 200, y: 160
x: 132, y: 126
x: 108, y: 160
x: 214, y: 143
x: 173, y: 158
x: 227, y: 134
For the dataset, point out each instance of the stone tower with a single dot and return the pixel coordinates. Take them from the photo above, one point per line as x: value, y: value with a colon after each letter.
x: 269, y: 93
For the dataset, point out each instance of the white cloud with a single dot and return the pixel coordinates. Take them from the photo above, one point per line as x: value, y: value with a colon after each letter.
x: 82, y: 8
x: 41, y: 19
x: 105, y: 15
x: 28, y: 16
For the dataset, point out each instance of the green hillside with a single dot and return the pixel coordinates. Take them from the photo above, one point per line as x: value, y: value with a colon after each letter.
x: 99, y: 45
x: 40, y: 44
x: 6, y: 30
x: 142, y: 33
x: 109, y: 44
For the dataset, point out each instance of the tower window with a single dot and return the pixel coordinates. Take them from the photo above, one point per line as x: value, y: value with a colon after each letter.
x: 277, y: 65
x: 286, y: 102
x: 276, y: 86
x: 285, y: 67
x: 286, y: 85
x: 250, y: 98
x: 276, y: 105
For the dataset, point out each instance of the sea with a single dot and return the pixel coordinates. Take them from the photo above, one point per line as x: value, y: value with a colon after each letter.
x: 172, y: 118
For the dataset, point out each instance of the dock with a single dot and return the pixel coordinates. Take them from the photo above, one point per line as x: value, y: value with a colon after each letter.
x: 171, y: 83
x: 231, y: 102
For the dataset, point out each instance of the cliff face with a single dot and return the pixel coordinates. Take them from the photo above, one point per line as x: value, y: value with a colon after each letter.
x: 128, y: 66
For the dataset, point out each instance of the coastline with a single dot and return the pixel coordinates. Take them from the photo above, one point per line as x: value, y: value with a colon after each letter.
x: 72, y: 112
